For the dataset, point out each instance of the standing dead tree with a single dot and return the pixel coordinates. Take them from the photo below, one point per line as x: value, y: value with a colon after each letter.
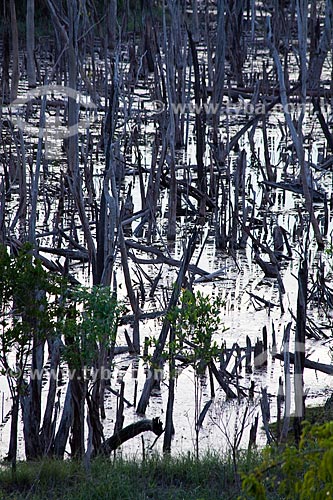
x: 15, y: 52
x: 30, y: 38
x: 200, y: 127
x: 300, y: 348
x: 156, y: 361
x: 318, y: 56
x: 297, y: 136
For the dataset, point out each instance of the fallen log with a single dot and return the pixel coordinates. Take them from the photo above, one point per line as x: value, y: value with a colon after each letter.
x: 129, y: 318
x: 204, y: 413
x: 317, y: 196
x: 266, y: 303
x: 224, y: 385
x: 211, y: 276
x: 270, y: 270
x: 161, y: 257
x: 188, y: 190
x: 170, y: 262
x: 129, y: 432
x: 66, y: 252
x: 313, y: 365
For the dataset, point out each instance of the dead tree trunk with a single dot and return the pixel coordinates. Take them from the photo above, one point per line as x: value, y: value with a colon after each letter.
x: 15, y: 52
x: 130, y: 432
x: 5, y: 86
x: 30, y: 40
x: 169, y: 427
x: 156, y: 362
x: 170, y: 80
x: 199, y: 128
x: 300, y: 349
x: 318, y: 57
x: 286, y: 357
x: 297, y: 139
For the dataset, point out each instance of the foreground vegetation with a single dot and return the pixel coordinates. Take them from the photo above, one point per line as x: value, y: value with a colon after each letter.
x: 303, y: 473
x: 284, y: 472
x: 155, y: 478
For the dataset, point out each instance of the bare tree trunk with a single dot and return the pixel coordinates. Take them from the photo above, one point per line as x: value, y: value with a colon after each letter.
x: 15, y: 52
x: 5, y: 87
x: 12, y: 452
x: 75, y: 180
x: 195, y: 21
x: 35, y: 178
x: 47, y: 428
x: 318, y: 59
x: 30, y: 38
x: 300, y: 349
x: 218, y: 87
x: 109, y: 211
x: 156, y: 358
x: 169, y: 427
x: 31, y: 402
x: 297, y: 140
x: 112, y: 23
x: 286, y: 418
x: 200, y: 129
x: 61, y: 437
x: 78, y: 397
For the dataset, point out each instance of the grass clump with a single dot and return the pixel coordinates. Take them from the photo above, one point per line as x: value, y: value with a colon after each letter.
x: 160, y: 478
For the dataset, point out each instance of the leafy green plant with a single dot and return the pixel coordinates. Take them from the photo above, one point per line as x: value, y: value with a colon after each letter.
x: 29, y: 301
x: 195, y: 320
x: 30, y: 310
x: 35, y: 307
x: 305, y: 473
x: 90, y: 333
x: 91, y: 324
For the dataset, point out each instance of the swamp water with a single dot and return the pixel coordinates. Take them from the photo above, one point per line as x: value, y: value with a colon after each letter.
x: 240, y: 314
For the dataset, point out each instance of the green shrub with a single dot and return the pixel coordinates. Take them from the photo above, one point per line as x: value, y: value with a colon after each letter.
x: 305, y: 473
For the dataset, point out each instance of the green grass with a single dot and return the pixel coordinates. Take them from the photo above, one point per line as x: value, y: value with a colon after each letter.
x: 183, y: 478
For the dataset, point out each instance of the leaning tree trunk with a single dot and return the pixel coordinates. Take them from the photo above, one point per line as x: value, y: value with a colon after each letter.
x: 61, y: 437
x: 156, y: 361
x: 130, y: 432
